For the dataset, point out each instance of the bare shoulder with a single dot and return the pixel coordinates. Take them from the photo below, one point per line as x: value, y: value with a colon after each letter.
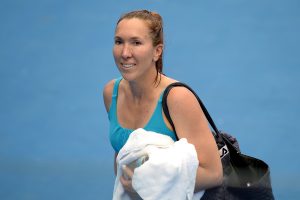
x: 182, y: 97
x: 108, y: 87
x: 107, y: 93
x: 188, y: 116
x: 185, y: 110
x: 178, y: 96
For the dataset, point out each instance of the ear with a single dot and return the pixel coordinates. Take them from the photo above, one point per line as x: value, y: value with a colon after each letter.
x: 158, y: 51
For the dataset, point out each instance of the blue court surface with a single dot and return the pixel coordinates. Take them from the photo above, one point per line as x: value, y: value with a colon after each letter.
x: 242, y: 57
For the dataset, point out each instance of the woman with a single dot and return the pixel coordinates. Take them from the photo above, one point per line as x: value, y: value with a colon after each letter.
x: 135, y: 100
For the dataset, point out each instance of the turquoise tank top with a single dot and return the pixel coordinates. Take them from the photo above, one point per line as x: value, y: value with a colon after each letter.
x: 118, y: 135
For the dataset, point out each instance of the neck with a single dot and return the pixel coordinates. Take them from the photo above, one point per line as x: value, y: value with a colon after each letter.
x: 143, y: 89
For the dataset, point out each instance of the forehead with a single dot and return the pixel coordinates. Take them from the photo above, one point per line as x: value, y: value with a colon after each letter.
x: 132, y: 28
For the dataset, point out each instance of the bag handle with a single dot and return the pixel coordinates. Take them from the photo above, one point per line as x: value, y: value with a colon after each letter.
x: 166, y: 109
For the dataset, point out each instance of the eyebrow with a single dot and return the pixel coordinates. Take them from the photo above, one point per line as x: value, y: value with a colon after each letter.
x: 132, y: 38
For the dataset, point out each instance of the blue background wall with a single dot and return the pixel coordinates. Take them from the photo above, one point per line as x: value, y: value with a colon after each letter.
x: 242, y: 57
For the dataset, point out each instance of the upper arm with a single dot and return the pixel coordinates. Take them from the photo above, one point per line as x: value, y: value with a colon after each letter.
x: 107, y: 94
x: 190, y: 123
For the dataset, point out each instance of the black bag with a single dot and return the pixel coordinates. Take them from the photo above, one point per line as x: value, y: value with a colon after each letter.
x: 244, y: 177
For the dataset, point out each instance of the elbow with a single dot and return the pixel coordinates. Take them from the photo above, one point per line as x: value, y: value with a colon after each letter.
x: 216, y: 177
x: 218, y: 173
x: 211, y: 179
x: 219, y: 177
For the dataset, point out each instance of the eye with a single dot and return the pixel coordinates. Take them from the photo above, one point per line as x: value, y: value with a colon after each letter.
x: 118, y: 41
x: 137, y: 42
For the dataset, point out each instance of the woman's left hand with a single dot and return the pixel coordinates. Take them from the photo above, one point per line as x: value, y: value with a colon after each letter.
x: 126, y: 180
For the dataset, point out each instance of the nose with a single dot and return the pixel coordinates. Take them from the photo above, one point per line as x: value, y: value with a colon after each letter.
x: 126, y: 51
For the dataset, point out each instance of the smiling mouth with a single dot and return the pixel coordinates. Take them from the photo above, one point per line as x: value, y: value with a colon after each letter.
x: 127, y: 66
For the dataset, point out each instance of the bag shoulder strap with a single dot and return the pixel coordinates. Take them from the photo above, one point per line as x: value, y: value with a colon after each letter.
x: 166, y: 109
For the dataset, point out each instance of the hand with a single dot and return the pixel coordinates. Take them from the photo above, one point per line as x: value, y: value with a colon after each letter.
x: 126, y: 181
x: 232, y: 139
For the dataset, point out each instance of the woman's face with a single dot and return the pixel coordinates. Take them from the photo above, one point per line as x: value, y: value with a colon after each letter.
x: 133, y: 50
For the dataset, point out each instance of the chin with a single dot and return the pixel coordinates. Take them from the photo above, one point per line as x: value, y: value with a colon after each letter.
x: 128, y: 77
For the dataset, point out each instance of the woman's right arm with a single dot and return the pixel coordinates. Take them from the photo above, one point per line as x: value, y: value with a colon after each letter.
x: 107, y: 95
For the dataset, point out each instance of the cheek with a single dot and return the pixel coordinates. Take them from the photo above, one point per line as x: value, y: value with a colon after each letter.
x: 115, y: 52
x: 146, y: 54
x: 116, y: 55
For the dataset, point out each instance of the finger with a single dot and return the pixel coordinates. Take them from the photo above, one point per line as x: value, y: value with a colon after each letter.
x: 128, y: 172
x: 127, y: 184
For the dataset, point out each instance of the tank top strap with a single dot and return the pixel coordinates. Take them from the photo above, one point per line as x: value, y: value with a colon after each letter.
x: 161, y: 96
x: 113, y: 106
x: 116, y: 87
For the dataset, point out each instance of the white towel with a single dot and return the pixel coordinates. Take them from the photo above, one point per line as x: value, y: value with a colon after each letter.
x: 169, y: 172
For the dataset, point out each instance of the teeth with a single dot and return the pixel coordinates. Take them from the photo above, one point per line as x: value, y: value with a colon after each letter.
x: 127, y: 65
